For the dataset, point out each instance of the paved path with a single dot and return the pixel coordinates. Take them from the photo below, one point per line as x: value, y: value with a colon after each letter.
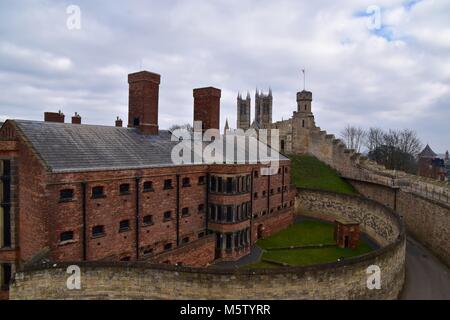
x: 426, y: 277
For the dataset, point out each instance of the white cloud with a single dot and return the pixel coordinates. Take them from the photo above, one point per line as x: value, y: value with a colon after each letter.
x: 395, y: 77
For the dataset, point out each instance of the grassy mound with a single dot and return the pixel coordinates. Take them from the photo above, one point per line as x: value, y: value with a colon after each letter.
x: 309, y: 172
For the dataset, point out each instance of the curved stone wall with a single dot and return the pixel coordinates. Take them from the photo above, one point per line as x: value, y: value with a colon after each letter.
x: 425, y: 219
x: 340, y: 280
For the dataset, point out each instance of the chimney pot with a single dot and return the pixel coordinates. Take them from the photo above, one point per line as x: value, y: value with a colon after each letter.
x: 76, y: 119
x: 54, y: 117
x: 119, y: 122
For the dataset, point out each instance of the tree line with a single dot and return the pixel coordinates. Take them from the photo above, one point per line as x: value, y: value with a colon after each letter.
x: 395, y: 149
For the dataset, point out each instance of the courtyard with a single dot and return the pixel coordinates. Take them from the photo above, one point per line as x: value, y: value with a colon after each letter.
x: 306, y: 242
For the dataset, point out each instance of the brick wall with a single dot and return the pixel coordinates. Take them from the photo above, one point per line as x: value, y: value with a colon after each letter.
x: 32, y: 200
x: 199, y: 253
x: 271, y: 223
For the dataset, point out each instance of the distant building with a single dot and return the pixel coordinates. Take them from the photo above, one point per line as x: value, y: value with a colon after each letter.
x: 263, y: 111
x: 431, y: 166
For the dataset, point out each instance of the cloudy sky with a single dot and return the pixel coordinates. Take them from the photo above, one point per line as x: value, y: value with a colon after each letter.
x: 395, y: 74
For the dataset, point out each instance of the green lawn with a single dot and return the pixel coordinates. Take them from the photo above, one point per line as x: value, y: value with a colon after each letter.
x: 306, y: 232
x: 301, y: 257
x: 309, y: 172
x: 299, y: 234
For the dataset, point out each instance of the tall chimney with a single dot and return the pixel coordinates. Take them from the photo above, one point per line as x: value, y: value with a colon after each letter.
x: 143, y: 101
x: 76, y: 119
x: 54, y: 116
x: 119, y: 122
x: 207, y: 107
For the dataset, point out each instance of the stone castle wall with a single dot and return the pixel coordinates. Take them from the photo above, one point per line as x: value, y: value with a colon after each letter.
x: 426, y: 214
x: 346, y: 279
x: 425, y: 219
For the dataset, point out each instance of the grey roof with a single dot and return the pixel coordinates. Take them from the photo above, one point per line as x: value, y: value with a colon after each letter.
x: 66, y: 147
x: 427, y: 153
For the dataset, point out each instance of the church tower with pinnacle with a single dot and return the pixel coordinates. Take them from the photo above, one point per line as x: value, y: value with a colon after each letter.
x: 263, y: 109
x: 243, y: 112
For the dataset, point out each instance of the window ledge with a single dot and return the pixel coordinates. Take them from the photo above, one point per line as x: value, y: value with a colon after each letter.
x: 167, y: 188
x: 98, y: 236
x: 148, y: 190
x: 67, y: 242
x: 147, y: 224
x: 66, y: 200
x: 98, y: 197
x: 125, y: 193
x: 124, y: 230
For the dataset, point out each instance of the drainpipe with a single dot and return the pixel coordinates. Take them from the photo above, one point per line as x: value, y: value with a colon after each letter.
x: 395, y: 198
x: 251, y: 205
x: 207, y: 203
x: 178, y: 210
x: 268, y: 192
x: 84, y: 214
x: 282, y: 186
x: 137, y: 180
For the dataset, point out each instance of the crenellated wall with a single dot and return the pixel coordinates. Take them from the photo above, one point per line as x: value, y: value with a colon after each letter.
x: 422, y: 202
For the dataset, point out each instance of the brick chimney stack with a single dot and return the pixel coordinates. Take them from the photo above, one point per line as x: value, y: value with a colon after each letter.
x: 54, y: 116
x: 143, y: 101
x: 207, y: 107
x: 76, y: 119
x: 119, y: 122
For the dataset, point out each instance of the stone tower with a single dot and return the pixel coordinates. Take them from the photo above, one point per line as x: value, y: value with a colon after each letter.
x: 304, y: 113
x: 263, y: 109
x: 243, y: 112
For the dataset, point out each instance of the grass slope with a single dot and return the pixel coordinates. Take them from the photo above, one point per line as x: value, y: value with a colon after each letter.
x: 309, y: 172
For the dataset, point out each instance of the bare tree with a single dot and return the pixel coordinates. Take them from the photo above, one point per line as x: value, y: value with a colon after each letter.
x: 396, y: 149
x: 374, y: 138
x: 409, y: 142
x: 354, y: 137
x: 186, y: 126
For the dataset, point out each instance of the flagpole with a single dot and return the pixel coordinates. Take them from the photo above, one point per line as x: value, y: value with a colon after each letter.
x: 304, y: 79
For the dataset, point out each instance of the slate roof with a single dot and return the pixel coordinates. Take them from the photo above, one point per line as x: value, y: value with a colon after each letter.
x: 66, y: 147
x: 427, y: 153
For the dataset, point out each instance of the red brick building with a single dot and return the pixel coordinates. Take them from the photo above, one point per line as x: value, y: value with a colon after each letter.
x: 85, y: 192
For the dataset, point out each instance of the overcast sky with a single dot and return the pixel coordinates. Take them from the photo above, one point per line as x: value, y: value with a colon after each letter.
x: 394, y: 76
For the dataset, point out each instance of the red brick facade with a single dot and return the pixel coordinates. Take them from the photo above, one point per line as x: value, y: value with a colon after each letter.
x: 346, y: 234
x: 207, y: 107
x: 187, y: 214
x: 54, y: 117
x: 143, y: 101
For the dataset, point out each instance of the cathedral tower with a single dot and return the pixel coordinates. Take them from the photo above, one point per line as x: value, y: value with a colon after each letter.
x: 243, y: 112
x: 263, y: 109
